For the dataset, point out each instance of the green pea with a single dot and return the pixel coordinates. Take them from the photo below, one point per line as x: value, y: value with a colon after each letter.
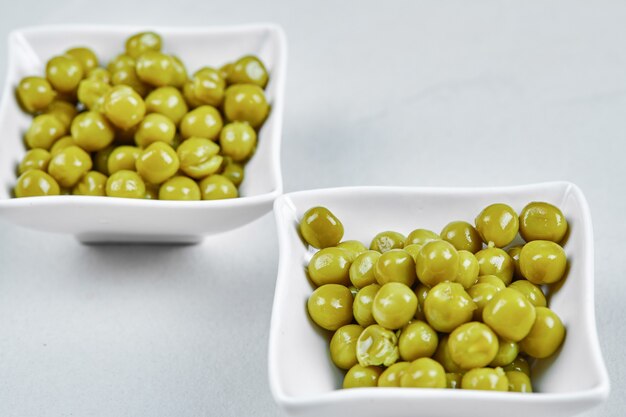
x: 447, y: 306
x: 343, y: 346
x: 179, y: 188
x: 485, y: 379
x: 330, y: 306
x: 320, y: 228
x: 330, y: 266
x: 35, y: 183
x: 510, y: 314
x: 377, y: 346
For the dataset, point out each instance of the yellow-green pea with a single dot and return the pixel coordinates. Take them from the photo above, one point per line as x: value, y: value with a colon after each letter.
x: 155, y: 68
x: 421, y: 291
x: 395, y: 265
x: 202, y: 122
x: 123, y: 158
x: 179, y: 188
x: 61, y: 144
x: 424, y: 373
x: 44, y: 130
x: 152, y: 192
x: 473, y: 345
x: 392, y: 375
x: 92, y: 131
x: 320, y: 228
x: 447, y: 306
x: 485, y: 379
x: 497, y: 223
x: 519, y: 382
x: 62, y: 110
x: 92, y: 183
x: 442, y: 355
x: 91, y: 93
x: 545, y: 336
x: 542, y: 221
x: 124, y: 107
x: 438, y: 261
x: 233, y: 171
x: 330, y: 306
x: 99, y: 74
x: 510, y: 314
x: 394, y: 305
x: 246, y: 103
x: 180, y: 72
x: 199, y: 157
x: 142, y: 42
x: 155, y: 128
x: 167, y: 101
x: 495, y: 261
x: 330, y: 266
x: 362, y: 269
x: 226, y: 69
x: 248, y: 70
x: 121, y: 62
x: 238, y: 140
x: 85, y: 56
x: 417, y: 340
x: 463, y: 236
x: 208, y: 86
x: 125, y: 184
x: 362, y: 306
x: 481, y: 294
x: 157, y: 163
x: 542, y: 262
x: 101, y: 160
x: 507, y: 352
x: 386, y: 241
x: 491, y: 279
x: 64, y: 73
x: 532, y: 292
x: 377, y: 346
x: 468, y: 271
x: 217, y: 187
x: 35, y: 183
x: 35, y: 94
x: 519, y: 364
x: 128, y: 77
x: 354, y: 247
x: 362, y: 377
x: 413, y: 250
x: 69, y: 165
x: 34, y: 159
x: 343, y: 346
x: 421, y: 237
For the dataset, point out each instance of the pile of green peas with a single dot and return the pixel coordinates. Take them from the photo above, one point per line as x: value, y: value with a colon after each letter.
x: 464, y: 308
x: 141, y: 127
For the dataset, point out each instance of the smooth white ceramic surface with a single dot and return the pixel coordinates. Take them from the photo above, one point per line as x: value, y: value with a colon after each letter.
x: 97, y: 219
x: 304, y: 381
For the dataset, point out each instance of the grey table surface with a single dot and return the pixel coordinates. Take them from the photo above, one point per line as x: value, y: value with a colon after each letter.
x: 430, y: 93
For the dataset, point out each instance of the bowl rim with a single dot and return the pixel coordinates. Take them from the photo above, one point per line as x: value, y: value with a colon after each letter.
x: 275, y: 140
x: 595, y: 394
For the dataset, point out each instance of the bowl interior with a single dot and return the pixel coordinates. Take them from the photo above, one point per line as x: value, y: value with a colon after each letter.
x: 29, y: 49
x: 300, y: 365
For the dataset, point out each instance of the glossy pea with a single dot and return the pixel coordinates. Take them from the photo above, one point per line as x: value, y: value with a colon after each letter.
x: 179, y: 188
x: 497, y: 223
x: 320, y: 228
x: 386, y: 241
x: 330, y: 266
x: 43, y: 131
x: 330, y: 306
x: 542, y: 221
x: 199, y: 157
x: 463, y: 236
x: 217, y: 187
x: 362, y: 306
x: 510, y: 314
x: 36, y: 183
x: 377, y: 345
x: 447, y: 306
x: 343, y: 346
x: 542, y: 262
x: 35, y: 94
x: 93, y: 183
x: 473, y: 345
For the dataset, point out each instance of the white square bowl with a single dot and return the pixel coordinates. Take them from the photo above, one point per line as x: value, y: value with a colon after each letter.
x: 102, y: 219
x: 304, y: 381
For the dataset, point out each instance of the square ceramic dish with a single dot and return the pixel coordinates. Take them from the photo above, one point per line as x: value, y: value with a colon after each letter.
x: 304, y: 381
x: 101, y: 219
